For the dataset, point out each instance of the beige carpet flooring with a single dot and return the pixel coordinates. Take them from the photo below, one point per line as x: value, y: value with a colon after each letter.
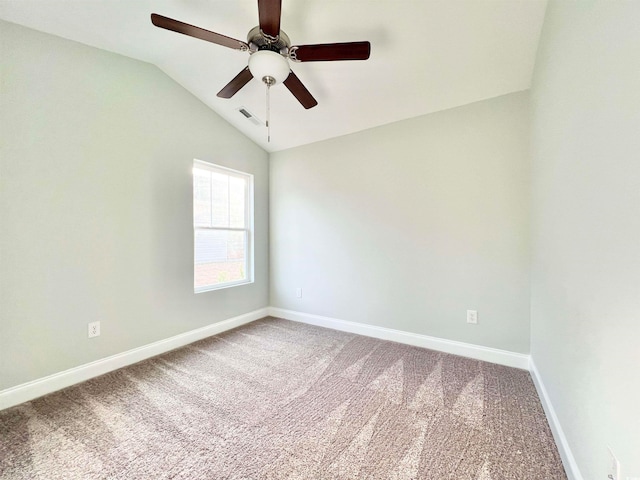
x: 282, y: 400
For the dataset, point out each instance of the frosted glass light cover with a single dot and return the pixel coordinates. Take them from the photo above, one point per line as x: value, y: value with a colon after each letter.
x: 266, y: 63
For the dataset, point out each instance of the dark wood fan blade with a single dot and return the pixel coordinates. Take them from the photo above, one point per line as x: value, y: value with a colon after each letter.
x: 327, y: 52
x: 197, y: 32
x: 236, y: 84
x: 299, y: 91
x: 269, y: 15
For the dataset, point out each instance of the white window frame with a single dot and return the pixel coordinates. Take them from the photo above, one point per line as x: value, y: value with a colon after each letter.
x: 248, y: 221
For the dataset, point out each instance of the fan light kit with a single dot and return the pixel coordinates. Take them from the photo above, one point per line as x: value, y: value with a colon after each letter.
x: 265, y: 64
x: 270, y: 52
x: 272, y: 68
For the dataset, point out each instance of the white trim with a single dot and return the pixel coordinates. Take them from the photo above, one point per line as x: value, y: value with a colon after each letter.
x: 214, y: 167
x: 220, y: 286
x: 42, y: 386
x: 568, y: 460
x: 493, y: 355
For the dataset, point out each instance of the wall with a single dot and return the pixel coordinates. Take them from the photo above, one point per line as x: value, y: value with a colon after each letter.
x: 96, y: 205
x: 586, y: 228
x: 408, y: 225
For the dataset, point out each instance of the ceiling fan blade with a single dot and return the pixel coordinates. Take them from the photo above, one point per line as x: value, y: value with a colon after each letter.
x: 299, y: 91
x: 269, y: 15
x: 327, y: 52
x: 236, y: 84
x: 197, y: 32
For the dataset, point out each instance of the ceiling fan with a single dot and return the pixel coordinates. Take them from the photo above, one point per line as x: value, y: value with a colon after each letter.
x: 270, y: 51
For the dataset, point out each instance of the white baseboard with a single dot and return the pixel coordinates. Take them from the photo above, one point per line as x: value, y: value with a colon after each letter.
x: 493, y: 355
x: 37, y: 388
x: 569, y: 462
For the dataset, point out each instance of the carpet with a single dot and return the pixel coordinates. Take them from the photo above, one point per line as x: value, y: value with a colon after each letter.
x: 282, y: 400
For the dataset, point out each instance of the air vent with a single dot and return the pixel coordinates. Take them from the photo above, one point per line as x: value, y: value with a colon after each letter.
x: 250, y: 116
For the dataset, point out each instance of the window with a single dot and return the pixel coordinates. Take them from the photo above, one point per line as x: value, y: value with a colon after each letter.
x: 222, y: 227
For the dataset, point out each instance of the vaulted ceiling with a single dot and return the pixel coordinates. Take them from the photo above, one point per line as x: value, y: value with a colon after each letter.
x: 426, y: 55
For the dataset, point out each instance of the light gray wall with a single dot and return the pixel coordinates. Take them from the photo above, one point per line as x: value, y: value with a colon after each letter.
x: 586, y: 227
x: 96, y: 205
x: 408, y: 225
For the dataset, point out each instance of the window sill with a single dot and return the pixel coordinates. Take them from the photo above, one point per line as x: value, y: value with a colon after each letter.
x: 210, y: 288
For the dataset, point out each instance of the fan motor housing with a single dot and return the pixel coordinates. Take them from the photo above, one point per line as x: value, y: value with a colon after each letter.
x: 257, y: 41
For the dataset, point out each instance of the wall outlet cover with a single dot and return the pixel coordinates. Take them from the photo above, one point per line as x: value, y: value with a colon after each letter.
x: 93, y: 329
x: 472, y: 316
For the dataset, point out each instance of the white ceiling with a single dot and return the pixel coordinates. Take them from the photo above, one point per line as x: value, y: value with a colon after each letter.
x: 426, y: 55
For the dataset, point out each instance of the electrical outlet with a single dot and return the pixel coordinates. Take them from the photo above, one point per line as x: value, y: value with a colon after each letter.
x: 299, y: 292
x: 613, y: 472
x: 472, y: 316
x: 94, y: 329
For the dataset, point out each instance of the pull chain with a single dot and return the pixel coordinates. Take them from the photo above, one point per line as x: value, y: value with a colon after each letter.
x: 268, y: 114
x: 268, y: 82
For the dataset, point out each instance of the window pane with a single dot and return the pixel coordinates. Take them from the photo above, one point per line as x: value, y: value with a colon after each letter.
x: 237, y: 195
x: 220, y: 186
x: 201, y: 197
x: 219, y: 257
